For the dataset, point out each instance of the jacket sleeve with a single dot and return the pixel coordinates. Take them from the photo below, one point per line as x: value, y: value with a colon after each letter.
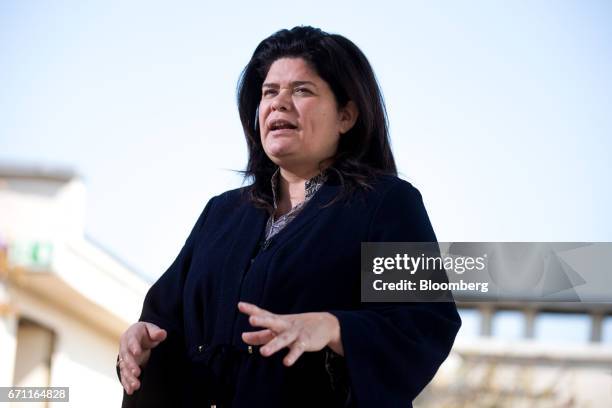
x: 162, y: 384
x: 393, y: 350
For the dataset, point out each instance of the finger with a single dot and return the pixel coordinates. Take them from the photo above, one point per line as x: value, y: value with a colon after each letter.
x: 275, y: 323
x: 128, y: 361
x: 252, y: 309
x: 282, y: 340
x: 131, y: 370
x: 131, y: 381
x: 259, y: 337
x: 135, y: 371
x: 296, y: 350
x: 155, y: 332
x: 154, y: 336
x: 125, y: 386
x: 131, y: 386
x: 134, y: 348
x: 127, y: 373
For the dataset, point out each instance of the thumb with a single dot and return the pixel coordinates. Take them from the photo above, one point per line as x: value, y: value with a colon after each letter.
x: 155, y: 335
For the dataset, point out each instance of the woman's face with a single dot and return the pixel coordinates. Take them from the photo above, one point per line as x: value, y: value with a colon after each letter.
x: 299, y: 120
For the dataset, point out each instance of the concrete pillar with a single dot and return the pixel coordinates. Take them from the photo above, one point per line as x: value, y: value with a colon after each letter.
x: 596, y: 327
x: 530, y: 316
x: 486, y: 322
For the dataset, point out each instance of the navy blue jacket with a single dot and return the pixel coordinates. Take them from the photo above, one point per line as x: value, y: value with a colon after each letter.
x: 391, y: 350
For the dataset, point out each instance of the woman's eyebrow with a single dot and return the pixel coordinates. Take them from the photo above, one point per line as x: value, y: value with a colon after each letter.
x: 292, y: 84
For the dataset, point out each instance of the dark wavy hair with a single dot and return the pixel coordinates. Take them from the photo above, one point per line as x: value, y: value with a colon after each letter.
x: 363, y: 152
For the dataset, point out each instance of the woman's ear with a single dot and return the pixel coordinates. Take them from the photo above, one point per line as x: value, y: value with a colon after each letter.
x: 348, y: 116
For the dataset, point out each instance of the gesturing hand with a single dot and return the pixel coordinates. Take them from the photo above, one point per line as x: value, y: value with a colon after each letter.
x: 134, y: 351
x: 300, y: 332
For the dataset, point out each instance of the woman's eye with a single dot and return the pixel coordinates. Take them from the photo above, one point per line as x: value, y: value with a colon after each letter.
x: 302, y: 90
x: 268, y: 92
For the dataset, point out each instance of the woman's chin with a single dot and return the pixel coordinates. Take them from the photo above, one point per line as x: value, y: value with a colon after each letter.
x: 280, y: 150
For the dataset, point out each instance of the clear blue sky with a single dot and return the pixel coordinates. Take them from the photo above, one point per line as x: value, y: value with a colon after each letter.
x: 500, y: 111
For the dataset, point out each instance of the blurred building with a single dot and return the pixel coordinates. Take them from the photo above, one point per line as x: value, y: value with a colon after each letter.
x: 64, y: 301
x: 511, y: 354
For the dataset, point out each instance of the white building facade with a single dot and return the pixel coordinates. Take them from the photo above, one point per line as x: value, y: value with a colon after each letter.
x: 64, y: 301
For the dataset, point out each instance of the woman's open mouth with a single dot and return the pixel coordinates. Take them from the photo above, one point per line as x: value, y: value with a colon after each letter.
x: 279, y: 127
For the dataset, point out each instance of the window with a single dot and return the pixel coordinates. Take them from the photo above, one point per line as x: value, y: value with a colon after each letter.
x: 562, y: 328
x: 33, y: 356
x: 508, y: 325
x: 606, y: 330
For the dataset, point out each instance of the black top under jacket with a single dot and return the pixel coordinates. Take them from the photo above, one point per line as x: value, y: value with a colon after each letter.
x: 391, y: 350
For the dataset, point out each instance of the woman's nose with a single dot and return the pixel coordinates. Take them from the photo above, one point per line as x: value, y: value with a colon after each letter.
x: 281, y: 102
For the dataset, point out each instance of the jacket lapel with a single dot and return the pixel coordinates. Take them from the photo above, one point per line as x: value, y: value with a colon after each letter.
x: 237, y: 260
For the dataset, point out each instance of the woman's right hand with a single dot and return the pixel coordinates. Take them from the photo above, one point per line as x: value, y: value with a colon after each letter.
x: 134, y: 352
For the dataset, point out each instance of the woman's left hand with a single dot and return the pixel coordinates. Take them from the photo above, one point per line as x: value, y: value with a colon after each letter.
x: 300, y: 332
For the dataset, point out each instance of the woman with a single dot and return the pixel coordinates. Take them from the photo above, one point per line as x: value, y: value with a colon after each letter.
x: 262, y: 305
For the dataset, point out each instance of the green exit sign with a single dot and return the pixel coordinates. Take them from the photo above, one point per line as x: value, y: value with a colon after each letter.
x: 32, y: 254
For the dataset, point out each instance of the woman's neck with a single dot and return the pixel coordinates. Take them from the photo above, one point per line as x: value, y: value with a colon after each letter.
x: 292, y: 188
